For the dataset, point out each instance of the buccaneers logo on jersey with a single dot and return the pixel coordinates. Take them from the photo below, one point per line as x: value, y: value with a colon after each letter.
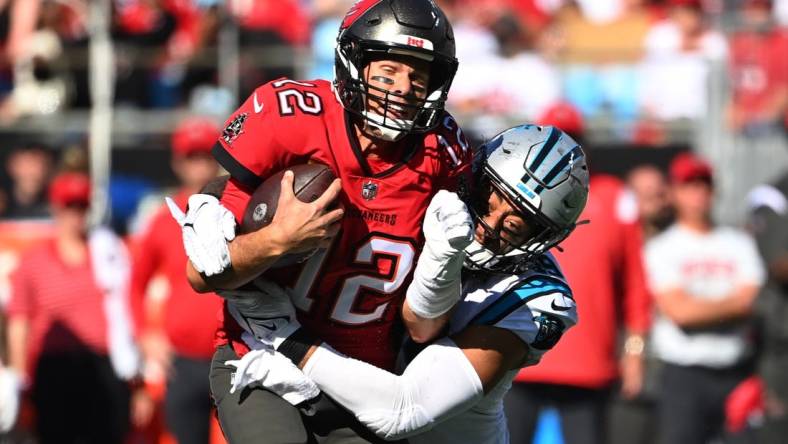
x: 234, y: 128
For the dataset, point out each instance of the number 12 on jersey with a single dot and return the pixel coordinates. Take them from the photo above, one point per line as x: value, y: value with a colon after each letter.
x: 401, y: 254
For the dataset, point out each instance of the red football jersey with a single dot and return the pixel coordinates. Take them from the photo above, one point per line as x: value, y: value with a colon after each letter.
x: 350, y: 294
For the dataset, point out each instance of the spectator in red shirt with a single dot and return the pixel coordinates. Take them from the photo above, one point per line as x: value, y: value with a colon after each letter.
x: 759, y: 71
x: 60, y: 328
x: 602, y: 263
x: 177, y: 334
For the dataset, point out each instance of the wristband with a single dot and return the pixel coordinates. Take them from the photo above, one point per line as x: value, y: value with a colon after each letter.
x: 297, y: 345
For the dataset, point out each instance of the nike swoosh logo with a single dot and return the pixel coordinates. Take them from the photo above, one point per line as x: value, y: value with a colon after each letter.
x: 559, y: 307
x: 257, y: 106
x: 271, y: 326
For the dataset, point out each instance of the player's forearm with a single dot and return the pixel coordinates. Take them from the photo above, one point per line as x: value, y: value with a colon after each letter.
x: 251, y: 254
x: 691, y: 312
x: 422, y: 330
x: 438, y: 384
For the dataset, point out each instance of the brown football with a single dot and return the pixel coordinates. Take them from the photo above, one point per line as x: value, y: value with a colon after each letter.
x: 309, y: 183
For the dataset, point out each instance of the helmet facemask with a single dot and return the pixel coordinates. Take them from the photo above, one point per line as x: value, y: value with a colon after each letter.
x: 355, y: 92
x: 510, y: 256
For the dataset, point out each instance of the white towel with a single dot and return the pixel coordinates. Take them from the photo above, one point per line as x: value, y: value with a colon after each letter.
x: 112, y: 271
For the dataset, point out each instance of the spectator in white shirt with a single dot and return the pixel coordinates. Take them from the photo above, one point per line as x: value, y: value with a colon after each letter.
x: 704, y: 279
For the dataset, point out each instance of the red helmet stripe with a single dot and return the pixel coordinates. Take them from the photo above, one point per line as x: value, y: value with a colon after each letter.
x: 356, y: 11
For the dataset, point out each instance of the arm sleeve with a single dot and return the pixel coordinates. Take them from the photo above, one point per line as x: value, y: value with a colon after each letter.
x: 438, y: 384
x: 249, y: 147
x: 636, y: 296
x: 456, y: 156
x: 22, y: 301
x: 146, y: 255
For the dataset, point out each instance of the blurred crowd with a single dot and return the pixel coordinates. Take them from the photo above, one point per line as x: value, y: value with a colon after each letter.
x: 639, y: 63
x: 683, y: 335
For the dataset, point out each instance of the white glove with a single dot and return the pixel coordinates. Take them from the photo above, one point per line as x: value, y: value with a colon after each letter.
x: 10, y: 388
x: 448, y: 229
x: 448, y: 226
x: 206, y: 228
x: 267, y: 312
x: 271, y: 370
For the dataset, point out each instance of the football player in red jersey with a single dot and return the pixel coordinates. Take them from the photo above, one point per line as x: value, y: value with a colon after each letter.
x: 382, y: 128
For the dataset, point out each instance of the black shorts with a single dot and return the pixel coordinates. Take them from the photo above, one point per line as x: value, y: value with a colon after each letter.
x: 259, y: 416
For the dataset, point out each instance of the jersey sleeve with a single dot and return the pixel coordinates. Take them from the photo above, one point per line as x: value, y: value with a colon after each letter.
x: 538, y: 310
x: 455, y: 154
x: 751, y: 269
x: 637, y: 300
x: 253, y: 145
x: 146, y: 258
x: 548, y: 311
x: 662, y: 268
x: 22, y: 301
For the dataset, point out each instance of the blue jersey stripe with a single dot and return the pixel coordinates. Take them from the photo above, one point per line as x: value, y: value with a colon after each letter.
x: 515, y: 298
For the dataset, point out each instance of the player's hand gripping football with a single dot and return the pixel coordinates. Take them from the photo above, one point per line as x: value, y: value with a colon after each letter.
x: 207, y: 227
x: 300, y: 226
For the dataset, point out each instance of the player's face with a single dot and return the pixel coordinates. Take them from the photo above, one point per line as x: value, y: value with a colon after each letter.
x: 407, y: 77
x: 71, y: 218
x: 652, y: 193
x: 507, y: 227
x: 693, y: 199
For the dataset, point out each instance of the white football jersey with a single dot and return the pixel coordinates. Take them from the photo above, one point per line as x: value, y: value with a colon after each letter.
x: 538, y: 307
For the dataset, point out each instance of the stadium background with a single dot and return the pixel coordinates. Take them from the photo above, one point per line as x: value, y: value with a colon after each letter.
x: 102, y: 84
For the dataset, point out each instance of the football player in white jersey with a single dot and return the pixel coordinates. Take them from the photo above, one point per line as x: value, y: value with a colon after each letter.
x: 530, y: 186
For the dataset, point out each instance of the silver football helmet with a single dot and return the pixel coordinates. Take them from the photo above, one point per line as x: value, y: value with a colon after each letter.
x: 542, y: 173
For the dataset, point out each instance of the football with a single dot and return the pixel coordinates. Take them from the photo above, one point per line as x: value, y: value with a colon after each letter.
x: 309, y: 183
